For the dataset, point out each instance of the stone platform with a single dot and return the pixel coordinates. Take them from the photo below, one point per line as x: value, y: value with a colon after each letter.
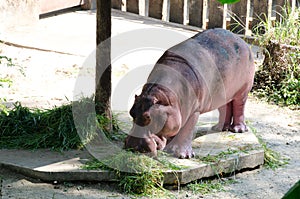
x: 216, y: 153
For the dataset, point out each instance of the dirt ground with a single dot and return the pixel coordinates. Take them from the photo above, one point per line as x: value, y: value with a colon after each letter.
x: 49, y: 80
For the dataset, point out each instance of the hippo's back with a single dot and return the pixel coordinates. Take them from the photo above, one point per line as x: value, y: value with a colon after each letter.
x: 224, y: 46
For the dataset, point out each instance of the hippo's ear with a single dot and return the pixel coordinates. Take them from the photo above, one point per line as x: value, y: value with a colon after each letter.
x: 132, y: 111
x: 160, y: 101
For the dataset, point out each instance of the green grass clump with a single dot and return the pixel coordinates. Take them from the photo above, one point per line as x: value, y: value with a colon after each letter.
x: 27, y: 128
x: 278, y: 79
x: 22, y: 127
x: 208, y: 186
x: 137, y: 174
x: 272, y: 159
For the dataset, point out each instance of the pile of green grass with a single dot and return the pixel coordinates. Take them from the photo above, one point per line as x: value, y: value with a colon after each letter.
x: 137, y: 174
x: 209, y: 186
x: 22, y: 127
x: 27, y: 128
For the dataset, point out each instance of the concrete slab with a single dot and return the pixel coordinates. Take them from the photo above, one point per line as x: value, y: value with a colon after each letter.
x: 216, y: 153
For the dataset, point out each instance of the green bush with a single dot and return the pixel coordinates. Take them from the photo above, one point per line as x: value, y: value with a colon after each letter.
x: 278, y: 79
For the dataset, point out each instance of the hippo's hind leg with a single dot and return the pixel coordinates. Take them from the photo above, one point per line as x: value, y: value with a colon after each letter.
x: 225, y: 118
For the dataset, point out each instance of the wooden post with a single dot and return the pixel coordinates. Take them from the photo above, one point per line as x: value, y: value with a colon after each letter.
x: 205, y: 14
x: 225, y: 13
x: 124, y: 5
x: 103, y: 60
x: 186, y: 12
x: 215, y: 14
x: 144, y: 7
x: 166, y: 10
x: 248, y: 17
x: 196, y: 13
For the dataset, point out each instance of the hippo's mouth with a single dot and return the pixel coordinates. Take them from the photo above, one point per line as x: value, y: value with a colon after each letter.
x: 142, y: 140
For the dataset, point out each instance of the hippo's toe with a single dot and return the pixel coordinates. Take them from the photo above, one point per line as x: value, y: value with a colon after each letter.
x: 182, y: 152
x: 239, y: 128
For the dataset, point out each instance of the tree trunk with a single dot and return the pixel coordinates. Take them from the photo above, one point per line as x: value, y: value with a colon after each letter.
x: 103, y: 60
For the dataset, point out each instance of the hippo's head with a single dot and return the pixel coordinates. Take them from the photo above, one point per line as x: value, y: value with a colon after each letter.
x: 155, y: 119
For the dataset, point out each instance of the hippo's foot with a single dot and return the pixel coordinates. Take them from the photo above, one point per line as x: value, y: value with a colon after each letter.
x: 239, y: 128
x: 221, y: 127
x: 180, y: 151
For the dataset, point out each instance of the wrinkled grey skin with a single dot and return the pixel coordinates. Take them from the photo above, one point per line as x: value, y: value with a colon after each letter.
x: 212, y: 70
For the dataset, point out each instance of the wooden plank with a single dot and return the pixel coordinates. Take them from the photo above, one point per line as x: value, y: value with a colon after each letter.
x: 166, y: 10
x: 155, y: 9
x: 132, y: 6
x: 176, y: 11
x: 47, y: 6
x: 196, y: 13
x: 260, y: 12
x: 238, y: 17
x: 215, y: 14
x: 116, y: 4
x: 278, y: 7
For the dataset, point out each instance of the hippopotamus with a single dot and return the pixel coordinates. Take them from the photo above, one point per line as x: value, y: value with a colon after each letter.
x: 212, y: 70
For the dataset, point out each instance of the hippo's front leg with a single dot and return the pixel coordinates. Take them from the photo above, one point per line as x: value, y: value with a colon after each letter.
x: 181, y: 144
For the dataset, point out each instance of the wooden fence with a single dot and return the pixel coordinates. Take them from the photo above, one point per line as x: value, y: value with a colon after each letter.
x: 241, y: 17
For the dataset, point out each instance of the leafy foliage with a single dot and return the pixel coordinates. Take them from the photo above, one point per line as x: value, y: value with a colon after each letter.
x: 278, y: 79
x: 228, y: 1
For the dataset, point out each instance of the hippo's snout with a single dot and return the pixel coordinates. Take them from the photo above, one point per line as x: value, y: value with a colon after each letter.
x: 143, y: 120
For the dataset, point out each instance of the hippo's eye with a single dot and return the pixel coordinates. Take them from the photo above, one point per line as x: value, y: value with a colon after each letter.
x: 159, y: 102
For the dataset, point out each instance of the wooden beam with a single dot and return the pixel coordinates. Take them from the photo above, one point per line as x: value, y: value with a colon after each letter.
x: 196, y: 13
x: 155, y: 9
x: 166, y: 10
x: 215, y: 14
x: 239, y: 15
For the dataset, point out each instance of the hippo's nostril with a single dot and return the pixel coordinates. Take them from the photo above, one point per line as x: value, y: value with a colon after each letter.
x: 146, y: 116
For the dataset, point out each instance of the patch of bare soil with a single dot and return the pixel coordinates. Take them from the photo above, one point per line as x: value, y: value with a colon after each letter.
x: 49, y: 80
